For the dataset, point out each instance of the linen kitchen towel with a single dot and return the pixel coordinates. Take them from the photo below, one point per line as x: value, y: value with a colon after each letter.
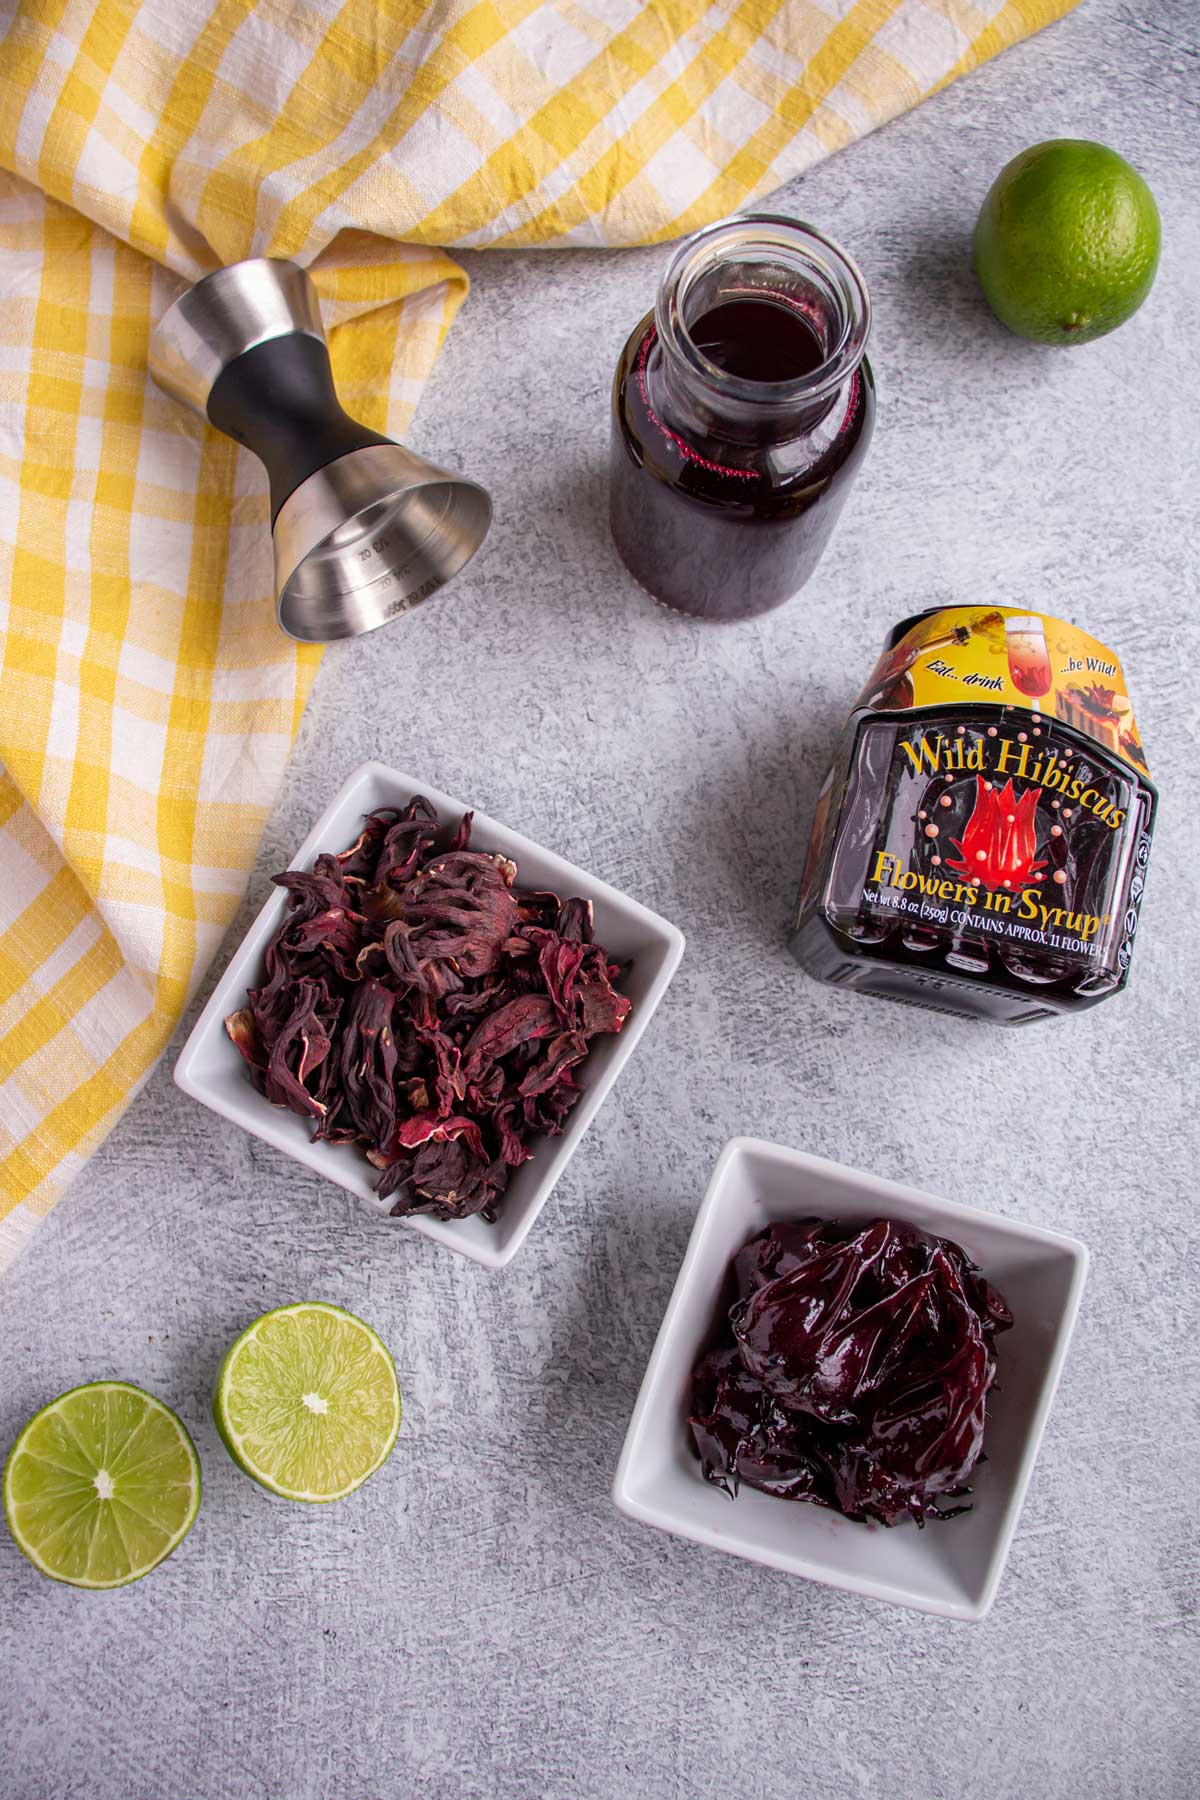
x: 147, y: 700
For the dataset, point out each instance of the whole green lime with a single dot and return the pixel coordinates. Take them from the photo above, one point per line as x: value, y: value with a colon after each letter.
x: 1067, y: 242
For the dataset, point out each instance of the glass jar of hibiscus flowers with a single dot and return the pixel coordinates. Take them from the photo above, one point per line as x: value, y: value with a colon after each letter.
x: 980, y: 844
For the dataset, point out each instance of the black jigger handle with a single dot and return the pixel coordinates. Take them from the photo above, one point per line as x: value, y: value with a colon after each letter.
x: 278, y: 399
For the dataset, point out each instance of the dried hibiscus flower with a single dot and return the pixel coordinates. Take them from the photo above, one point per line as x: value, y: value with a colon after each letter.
x: 853, y: 1372
x: 418, y: 1003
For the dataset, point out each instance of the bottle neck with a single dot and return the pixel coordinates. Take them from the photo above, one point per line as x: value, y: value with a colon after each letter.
x: 761, y: 324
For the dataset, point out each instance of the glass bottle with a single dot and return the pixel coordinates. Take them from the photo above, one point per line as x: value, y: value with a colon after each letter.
x: 742, y: 408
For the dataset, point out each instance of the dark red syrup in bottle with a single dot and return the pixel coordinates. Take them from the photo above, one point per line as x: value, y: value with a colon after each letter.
x: 759, y: 339
x: 742, y: 409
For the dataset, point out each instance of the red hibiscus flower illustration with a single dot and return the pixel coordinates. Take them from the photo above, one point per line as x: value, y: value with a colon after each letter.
x: 998, y: 849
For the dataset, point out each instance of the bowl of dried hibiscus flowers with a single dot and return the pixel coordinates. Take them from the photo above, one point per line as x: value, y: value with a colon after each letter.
x: 430, y: 1010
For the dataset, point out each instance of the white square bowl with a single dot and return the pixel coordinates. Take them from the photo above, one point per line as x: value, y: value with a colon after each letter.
x: 211, y: 1069
x: 952, y: 1569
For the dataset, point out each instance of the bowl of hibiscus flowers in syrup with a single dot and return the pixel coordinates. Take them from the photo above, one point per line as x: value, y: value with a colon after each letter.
x: 851, y: 1380
x: 430, y: 1010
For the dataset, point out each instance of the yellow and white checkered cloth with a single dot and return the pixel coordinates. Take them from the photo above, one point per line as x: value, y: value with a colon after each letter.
x: 147, y: 701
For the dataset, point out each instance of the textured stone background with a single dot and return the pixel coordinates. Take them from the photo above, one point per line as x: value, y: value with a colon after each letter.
x: 479, y: 1623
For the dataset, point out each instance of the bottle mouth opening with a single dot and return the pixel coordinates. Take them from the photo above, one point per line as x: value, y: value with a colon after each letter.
x: 786, y: 263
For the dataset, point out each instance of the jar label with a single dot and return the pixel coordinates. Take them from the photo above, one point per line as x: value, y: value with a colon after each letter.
x: 1003, y: 831
x: 961, y: 655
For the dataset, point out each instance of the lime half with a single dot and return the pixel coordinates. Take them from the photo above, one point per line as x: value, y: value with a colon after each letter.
x: 306, y: 1401
x: 101, y: 1485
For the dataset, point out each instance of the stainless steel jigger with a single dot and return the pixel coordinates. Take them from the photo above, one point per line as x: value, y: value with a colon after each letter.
x: 363, y: 530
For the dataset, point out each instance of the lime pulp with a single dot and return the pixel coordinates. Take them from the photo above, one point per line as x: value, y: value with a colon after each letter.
x: 101, y: 1485
x: 306, y: 1402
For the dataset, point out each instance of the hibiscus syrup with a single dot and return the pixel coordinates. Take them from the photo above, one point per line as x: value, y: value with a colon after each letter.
x: 980, y: 845
x: 743, y: 406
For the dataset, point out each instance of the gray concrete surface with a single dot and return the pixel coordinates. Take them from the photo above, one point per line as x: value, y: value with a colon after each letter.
x: 478, y: 1623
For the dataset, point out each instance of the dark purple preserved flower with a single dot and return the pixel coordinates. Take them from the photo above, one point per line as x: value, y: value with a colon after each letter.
x: 418, y: 1003
x: 853, y: 1371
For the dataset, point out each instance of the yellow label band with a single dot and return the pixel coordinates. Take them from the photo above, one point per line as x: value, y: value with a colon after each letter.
x: 999, y: 655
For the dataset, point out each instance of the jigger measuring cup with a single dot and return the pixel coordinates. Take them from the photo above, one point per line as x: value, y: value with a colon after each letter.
x: 362, y: 529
